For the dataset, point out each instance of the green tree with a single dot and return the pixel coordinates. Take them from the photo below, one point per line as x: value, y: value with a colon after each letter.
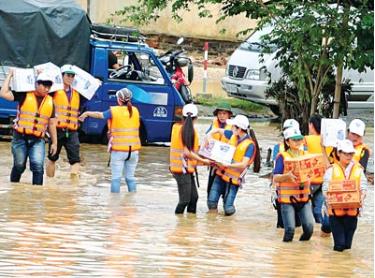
x: 312, y: 37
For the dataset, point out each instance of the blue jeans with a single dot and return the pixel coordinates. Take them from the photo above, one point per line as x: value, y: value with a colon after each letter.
x: 317, y: 203
x: 305, y: 215
x: 343, y: 228
x: 123, y: 164
x: 227, y: 191
x: 23, y: 147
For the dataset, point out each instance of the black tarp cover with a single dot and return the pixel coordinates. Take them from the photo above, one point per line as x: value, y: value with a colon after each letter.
x: 34, y: 32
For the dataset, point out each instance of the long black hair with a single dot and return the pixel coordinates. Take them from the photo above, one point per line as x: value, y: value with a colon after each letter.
x: 188, y: 134
x: 257, y: 159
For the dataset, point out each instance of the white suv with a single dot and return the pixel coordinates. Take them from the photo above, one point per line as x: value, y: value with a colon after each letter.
x: 247, y: 78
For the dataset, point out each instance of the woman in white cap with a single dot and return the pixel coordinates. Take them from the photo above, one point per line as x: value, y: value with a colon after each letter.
x: 343, y: 221
x: 124, y: 143
x: 280, y: 147
x: 229, y: 177
x: 183, y: 159
x: 356, y: 132
x: 292, y: 194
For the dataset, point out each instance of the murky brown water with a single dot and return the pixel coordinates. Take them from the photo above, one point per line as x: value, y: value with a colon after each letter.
x: 78, y: 228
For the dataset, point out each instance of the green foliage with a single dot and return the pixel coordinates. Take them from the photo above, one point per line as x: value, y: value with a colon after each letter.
x: 247, y: 106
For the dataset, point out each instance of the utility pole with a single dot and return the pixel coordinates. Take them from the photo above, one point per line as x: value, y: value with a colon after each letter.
x: 88, y: 7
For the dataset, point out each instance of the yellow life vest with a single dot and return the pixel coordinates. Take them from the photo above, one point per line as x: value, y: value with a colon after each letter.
x: 359, y: 152
x: 32, y: 120
x: 235, y: 175
x: 124, y: 130
x: 312, y: 143
x: 219, y: 136
x: 339, y: 175
x: 286, y: 191
x: 178, y: 164
x: 66, y: 110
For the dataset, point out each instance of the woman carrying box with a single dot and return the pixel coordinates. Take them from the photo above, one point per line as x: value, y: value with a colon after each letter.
x: 343, y: 221
x: 222, y: 113
x: 292, y: 194
x: 183, y: 159
x: 229, y: 177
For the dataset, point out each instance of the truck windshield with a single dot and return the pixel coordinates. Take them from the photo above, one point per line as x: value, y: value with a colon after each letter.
x: 138, y: 67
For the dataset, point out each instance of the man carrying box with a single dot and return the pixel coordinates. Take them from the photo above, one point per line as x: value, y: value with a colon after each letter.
x: 67, y: 103
x: 343, y: 217
x: 35, y: 113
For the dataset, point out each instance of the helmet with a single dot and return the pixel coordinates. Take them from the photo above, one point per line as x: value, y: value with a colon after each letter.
x: 181, y: 61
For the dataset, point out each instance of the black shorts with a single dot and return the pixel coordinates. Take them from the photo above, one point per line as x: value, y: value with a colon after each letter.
x: 70, y: 141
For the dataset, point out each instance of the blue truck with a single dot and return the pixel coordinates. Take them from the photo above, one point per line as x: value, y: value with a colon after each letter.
x: 159, y: 103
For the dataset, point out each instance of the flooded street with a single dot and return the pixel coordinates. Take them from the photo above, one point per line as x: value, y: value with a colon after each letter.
x: 78, y: 228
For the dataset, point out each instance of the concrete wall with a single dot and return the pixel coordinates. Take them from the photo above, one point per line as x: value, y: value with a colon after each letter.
x: 191, y: 26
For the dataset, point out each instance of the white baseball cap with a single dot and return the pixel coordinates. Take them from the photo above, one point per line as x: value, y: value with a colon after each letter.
x: 240, y: 121
x: 67, y: 69
x: 190, y: 109
x: 290, y: 123
x: 43, y: 76
x: 345, y: 146
x: 357, y: 126
x: 292, y: 133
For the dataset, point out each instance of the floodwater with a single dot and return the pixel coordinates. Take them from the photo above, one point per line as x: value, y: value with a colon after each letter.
x: 77, y: 228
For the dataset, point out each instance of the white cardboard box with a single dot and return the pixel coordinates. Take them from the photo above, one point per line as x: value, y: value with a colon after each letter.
x: 217, y: 151
x: 85, y: 83
x: 23, y: 80
x: 54, y: 72
x: 332, y: 131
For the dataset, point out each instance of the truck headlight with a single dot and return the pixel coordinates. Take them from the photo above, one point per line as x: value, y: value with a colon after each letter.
x: 253, y: 74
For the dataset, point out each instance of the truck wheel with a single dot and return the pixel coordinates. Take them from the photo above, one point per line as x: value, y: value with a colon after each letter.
x: 275, y: 109
x: 143, y: 135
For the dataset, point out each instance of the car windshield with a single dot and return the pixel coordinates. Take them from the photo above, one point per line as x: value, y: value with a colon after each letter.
x: 253, y: 42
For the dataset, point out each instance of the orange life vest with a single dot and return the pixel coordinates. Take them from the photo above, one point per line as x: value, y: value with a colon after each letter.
x: 32, y: 120
x: 124, y: 130
x: 66, y: 110
x: 338, y: 174
x: 219, y: 136
x: 235, y: 175
x: 179, y: 164
x: 286, y: 191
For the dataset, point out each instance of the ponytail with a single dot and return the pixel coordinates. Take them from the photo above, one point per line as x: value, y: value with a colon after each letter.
x: 130, y: 108
x: 257, y: 159
x: 188, y: 134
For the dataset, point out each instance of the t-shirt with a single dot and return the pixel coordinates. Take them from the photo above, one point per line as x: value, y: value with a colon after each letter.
x: 20, y: 97
x: 279, y: 165
x: 107, y: 114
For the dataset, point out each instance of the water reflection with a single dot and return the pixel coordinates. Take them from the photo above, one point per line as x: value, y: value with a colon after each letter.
x: 78, y: 228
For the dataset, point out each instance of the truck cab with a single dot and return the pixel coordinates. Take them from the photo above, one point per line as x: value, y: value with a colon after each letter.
x: 154, y: 95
